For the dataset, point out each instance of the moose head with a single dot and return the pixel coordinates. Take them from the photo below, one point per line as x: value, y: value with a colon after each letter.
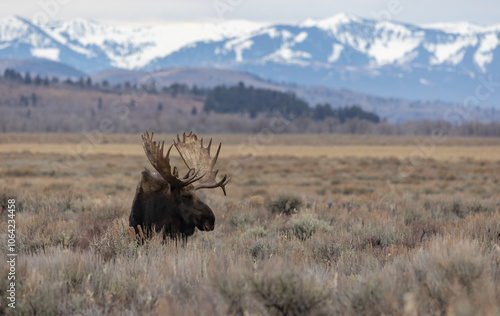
x: 166, y: 202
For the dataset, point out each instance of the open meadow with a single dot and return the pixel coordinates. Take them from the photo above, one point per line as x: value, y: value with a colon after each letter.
x: 311, y: 225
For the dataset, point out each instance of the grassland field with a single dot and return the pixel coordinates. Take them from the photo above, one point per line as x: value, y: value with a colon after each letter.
x: 311, y: 225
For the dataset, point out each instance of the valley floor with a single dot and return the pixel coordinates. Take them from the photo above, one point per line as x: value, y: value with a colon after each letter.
x: 356, y: 225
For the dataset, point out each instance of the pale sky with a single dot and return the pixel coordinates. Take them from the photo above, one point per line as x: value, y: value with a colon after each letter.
x: 150, y: 12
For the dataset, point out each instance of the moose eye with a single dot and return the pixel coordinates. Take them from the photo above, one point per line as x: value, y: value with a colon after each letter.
x: 187, y: 196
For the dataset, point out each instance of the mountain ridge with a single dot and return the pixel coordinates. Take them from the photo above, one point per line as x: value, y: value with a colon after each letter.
x: 442, y: 61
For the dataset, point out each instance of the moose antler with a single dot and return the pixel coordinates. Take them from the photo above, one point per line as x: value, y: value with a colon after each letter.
x: 154, y: 152
x: 196, y: 156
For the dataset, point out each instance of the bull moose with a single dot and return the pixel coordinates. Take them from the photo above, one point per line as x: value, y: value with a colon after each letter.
x: 166, y: 202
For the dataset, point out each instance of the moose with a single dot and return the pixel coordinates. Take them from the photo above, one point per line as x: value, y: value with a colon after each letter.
x: 165, y: 202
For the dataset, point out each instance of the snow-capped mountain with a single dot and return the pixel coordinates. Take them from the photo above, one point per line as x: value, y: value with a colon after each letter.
x: 442, y: 61
x: 91, y: 47
x: 132, y: 48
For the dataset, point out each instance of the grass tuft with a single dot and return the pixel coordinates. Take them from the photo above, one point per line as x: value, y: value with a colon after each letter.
x: 285, y: 204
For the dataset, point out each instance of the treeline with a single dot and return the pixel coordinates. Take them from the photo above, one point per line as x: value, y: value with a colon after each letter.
x: 254, y: 101
x: 238, y: 99
x: 13, y: 76
x: 41, y: 120
x: 241, y: 99
x: 148, y: 87
x: 322, y: 111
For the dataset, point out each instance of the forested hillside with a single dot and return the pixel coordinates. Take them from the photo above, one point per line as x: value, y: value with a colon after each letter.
x: 40, y: 104
x: 253, y: 101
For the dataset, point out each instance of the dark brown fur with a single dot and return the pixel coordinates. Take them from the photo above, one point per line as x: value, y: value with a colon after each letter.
x: 176, y: 211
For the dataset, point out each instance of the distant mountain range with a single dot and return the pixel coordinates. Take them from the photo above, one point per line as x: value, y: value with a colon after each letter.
x: 395, y: 110
x: 436, y: 62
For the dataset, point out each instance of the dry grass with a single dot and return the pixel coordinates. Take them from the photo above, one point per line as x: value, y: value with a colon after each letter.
x: 318, y: 235
x: 443, y: 153
x: 274, y: 139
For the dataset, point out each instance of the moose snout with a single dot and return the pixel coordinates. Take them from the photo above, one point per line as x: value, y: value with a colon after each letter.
x: 208, y: 226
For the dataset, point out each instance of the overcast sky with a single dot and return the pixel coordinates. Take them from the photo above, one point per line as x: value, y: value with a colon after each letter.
x: 149, y: 12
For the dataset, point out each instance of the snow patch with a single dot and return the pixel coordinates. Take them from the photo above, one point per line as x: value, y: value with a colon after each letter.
x: 285, y: 34
x: 331, y: 24
x: 47, y: 53
x: 387, y: 52
x: 393, y: 42
x: 336, y: 51
x: 358, y: 43
x: 271, y: 32
x: 289, y: 56
x: 462, y: 28
x: 300, y: 37
x: 484, y: 54
x: 12, y: 28
x: 286, y: 54
x: 239, y: 49
x: 451, y: 52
